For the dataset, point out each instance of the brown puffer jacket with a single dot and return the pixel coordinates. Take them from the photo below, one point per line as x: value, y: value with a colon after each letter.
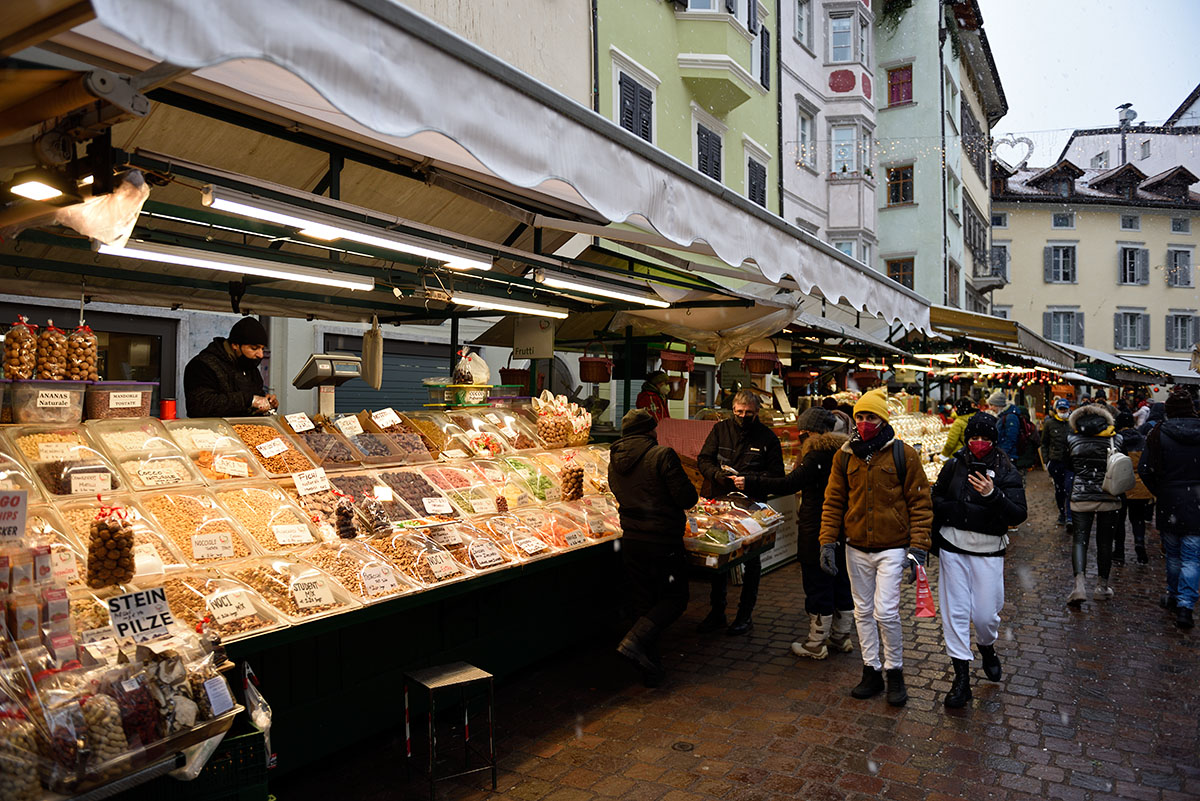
x: 868, y: 503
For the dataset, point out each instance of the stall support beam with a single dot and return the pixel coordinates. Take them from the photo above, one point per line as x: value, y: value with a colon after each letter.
x: 628, y: 366
x: 453, y: 344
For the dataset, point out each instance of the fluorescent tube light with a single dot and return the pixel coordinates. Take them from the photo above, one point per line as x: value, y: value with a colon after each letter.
x: 504, y: 304
x: 590, y: 287
x: 35, y: 190
x: 226, y: 263
x: 329, y: 227
x: 920, y: 368
x: 870, y: 366
x: 941, y: 357
x: 840, y: 359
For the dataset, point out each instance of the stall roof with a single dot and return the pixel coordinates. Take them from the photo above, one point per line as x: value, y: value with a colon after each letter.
x: 1079, y: 378
x: 959, y: 322
x: 1180, y: 370
x: 324, y: 66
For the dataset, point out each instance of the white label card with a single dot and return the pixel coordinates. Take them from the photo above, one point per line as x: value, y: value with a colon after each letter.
x: 231, y: 467
x: 310, y: 592
x: 437, y: 506
x: 484, y: 506
x: 56, y: 451
x: 95, y: 635
x: 53, y: 399
x: 553, y: 494
x: 441, y: 564
x: 386, y: 418
x: 509, y: 432
x: 143, y: 615
x: 203, y: 440
x: 219, y: 698
x: 91, y: 483
x: 751, y: 525
x: 349, y: 426
x: 455, y: 453
x: 13, y: 508
x: 292, y: 534
x: 158, y: 475
x: 484, y: 553
x: 493, y: 418
x: 710, y: 561
x: 575, y: 539
x: 378, y: 580
x: 383, y: 494
x: 124, y: 400
x: 299, y: 422
x: 64, y: 567
x: 273, y: 447
x: 595, y: 524
x: 212, y: 546
x: 530, y: 545
x: 311, y: 481
x: 232, y: 605
x: 447, y: 538
x: 493, y: 475
x: 146, y: 559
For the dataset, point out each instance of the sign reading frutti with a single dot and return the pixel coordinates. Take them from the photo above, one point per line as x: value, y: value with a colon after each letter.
x: 533, y: 338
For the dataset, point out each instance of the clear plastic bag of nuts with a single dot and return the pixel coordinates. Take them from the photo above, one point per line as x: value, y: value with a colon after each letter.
x: 83, y: 353
x: 110, y: 559
x: 52, y: 353
x: 553, y: 423
x: 20, y: 350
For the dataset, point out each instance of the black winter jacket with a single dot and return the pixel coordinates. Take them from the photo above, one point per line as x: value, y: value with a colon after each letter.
x: 809, y: 478
x: 651, y: 489
x: 214, y: 385
x: 754, y: 453
x: 1054, y: 438
x: 1087, y: 452
x: 957, y: 504
x: 1132, y: 440
x: 1158, y: 413
x: 1170, y: 468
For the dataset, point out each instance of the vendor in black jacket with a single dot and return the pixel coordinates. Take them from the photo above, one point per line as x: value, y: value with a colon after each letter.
x: 223, y: 380
x: 979, y: 495
x: 739, y: 446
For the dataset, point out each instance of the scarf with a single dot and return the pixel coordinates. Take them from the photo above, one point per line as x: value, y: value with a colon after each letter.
x: 863, y: 449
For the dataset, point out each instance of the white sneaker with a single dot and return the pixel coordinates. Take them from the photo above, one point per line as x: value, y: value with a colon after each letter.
x: 803, y: 649
x: 1103, y: 592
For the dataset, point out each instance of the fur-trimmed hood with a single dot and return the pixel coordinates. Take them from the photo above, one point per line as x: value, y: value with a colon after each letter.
x: 829, y: 441
x: 1090, y: 420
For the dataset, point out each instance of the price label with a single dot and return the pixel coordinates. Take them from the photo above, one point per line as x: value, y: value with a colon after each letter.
x: 509, y: 432
x: 229, y: 606
x: 124, y: 400
x: 53, y: 399
x: 437, y: 506
x: 91, y: 483
x: 553, y: 494
x: 311, y: 481
x: 349, y: 426
x: 710, y: 561
x: 493, y: 418
x: 299, y: 422
x: 292, y: 534
x: 95, y: 635
x: 158, y: 475
x: 530, y: 545
x: 146, y: 559
x: 575, y: 539
x: 447, y: 537
x: 217, y: 545
x: 386, y: 418
x: 384, y: 494
x: 310, y: 592
x: 484, y: 506
x: 493, y: 475
x: 595, y: 524
x: 231, y: 466
x: 63, y: 566
x: 219, y: 699
x: 441, y: 564
x: 456, y: 453
x: 555, y: 469
x: 143, y: 615
x: 484, y: 553
x: 378, y: 580
x: 751, y: 526
x: 202, y: 440
x: 272, y: 447
x: 13, y: 507
x: 56, y: 451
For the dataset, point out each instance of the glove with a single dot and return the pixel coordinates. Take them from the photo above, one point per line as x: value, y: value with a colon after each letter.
x: 828, y: 558
x: 260, y: 403
x: 917, y: 557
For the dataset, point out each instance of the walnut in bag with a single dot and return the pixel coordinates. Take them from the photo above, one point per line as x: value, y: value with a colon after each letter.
x: 52, y: 353
x: 83, y: 353
x: 572, y: 480
x: 20, y: 350
x: 110, y: 559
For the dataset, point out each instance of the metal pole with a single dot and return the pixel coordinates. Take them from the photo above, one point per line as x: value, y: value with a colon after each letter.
x: 628, y: 365
x: 453, y: 344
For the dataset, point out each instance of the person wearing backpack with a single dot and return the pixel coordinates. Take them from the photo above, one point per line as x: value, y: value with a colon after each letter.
x: 1008, y: 424
x: 878, y: 498
x: 1055, y: 430
x: 979, y: 495
x: 954, y: 437
x: 1138, y: 502
x: 1091, y: 440
x: 1028, y: 441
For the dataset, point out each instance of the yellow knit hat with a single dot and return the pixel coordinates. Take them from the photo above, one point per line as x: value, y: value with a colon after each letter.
x: 874, y: 401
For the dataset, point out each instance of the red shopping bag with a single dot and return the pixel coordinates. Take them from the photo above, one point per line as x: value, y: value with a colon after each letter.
x: 924, y: 597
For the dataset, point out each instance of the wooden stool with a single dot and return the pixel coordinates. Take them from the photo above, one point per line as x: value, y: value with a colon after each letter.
x: 443, y: 677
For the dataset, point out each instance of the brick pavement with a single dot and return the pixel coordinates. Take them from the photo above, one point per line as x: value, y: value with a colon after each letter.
x: 1097, y: 703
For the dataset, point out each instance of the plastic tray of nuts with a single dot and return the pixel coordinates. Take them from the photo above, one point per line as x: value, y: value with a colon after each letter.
x: 198, y: 526
x: 122, y: 437
x: 404, y: 438
x: 267, y: 515
x: 327, y: 448
x: 552, y: 528
x: 152, y: 553
x: 471, y: 547
x: 419, y: 558
x: 514, y: 537
x: 366, y: 484
x: 228, y: 607
x: 215, y: 449
x: 274, y: 448
x: 298, y: 590
x: 15, y: 476
x: 361, y: 572
x: 64, y: 460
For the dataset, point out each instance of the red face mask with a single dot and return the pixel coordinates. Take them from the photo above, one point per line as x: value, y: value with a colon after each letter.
x: 980, y: 448
x: 868, y: 429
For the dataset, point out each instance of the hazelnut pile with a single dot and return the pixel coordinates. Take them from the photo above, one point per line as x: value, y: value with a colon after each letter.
x: 554, y: 429
x: 110, y: 552
x: 290, y: 461
x: 188, y: 599
x: 82, y: 355
x: 52, y: 354
x: 20, y: 351
x: 572, y: 482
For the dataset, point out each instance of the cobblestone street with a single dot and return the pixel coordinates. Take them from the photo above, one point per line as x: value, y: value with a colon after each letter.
x: 1096, y: 703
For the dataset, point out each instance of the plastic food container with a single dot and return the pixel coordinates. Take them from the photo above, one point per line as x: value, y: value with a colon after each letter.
x: 48, y: 402
x: 153, y: 554
x: 470, y: 547
x: 360, y: 572
x: 421, y: 559
x: 481, y: 434
x: 114, y: 399
x: 215, y: 449
x: 515, y: 537
x: 599, y: 521
x: 319, y: 506
x: 44, y: 527
x: 327, y: 448
x: 540, y: 483
x: 516, y: 431
x: 64, y: 460
x: 267, y: 442
x: 447, y: 437
x: 552, y: 528
x: 405, y: 439
x: 371, y: 448
x: 120, y: 437
x: 266, y: 514
x: 299, y: 591
x: 147, y: 471
x: 6, y: 400
x: 416, y: 491
x: 14, y: 475
x: 474, y: 501
x: 197, y: 525
x: 364, y: 487
x: 228, y: 608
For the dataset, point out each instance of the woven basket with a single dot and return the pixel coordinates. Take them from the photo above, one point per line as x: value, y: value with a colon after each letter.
x: 595, y: 369
x: 675, y: 361
x: 761, y: 363
x: 801, y: 378
x: 678, y: 388
x: 514, y: 375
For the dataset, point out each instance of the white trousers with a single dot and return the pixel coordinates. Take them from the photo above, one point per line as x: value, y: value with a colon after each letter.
x: 970, y: 590
x: 875, y: 586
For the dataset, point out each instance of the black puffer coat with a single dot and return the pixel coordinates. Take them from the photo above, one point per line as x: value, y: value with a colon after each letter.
x: 754, y: 452
x: 1087, y: 452
x: 957, y: 504
x: 809, y: 478
x: 1170, y: 468
x: 215, y: 385
x: 1158, y: 413
x: 651, y: 488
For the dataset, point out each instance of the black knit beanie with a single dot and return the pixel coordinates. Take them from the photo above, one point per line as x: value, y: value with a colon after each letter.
x: 637, y: 421
x: 815, y: 419
x: 248, y: 331
x: 981, y: 424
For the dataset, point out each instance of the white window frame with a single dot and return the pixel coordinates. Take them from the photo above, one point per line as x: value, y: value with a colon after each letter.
x: 841, y: 244
x: 1137, y: 222
x: 1175, y: 316
x: 806, y: 152
x: 1185, y: 228
x: 865, y: 253
x: 834, y: 145
x: 1054, y: 220
x: 1003, y: 312
x: 1003, y: 215
x: 864, y: 41
x: 1144, y: 150
x: 1069, y: 316
x: 702, y: 117
x: 1056, y: 262
x: 622, y: 62
x: 850, y: 17
x: 1128, y: 316
x: 952, y: 91
x: 803, y: 22
x: 1128, y: 257
x: 953, y: 194
x: 1172, y: 250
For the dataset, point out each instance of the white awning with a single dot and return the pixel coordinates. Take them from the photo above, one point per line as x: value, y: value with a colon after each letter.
x: 379, y: 73
x: 1180, y: 370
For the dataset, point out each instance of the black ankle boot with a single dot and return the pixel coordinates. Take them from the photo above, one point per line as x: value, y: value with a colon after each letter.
x: 1142, y: 557
x: 871, y: 684
x: 638, y: 648
x: 960, y: 690
x: 991, y: 662
x: 713, y: 622
x: 897, y: 694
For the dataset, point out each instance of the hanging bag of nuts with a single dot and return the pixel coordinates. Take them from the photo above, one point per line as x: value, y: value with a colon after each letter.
x: 572, y: 479
x: 52, y: 353
x: 20, y: 350
x: 18, y: 757
x: 553, y: 424
x: 110, y: 548
x: 82, y: 354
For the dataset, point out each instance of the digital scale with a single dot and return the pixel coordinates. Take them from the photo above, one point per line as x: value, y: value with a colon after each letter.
x: 325, y: 371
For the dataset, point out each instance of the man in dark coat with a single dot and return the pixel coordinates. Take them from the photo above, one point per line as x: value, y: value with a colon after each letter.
x: 223, y: 380
x: 739, y: 446
x: 654, y: 495
x: 1170, y: 467
x: 1054, y: 454
x: 1137, y: 502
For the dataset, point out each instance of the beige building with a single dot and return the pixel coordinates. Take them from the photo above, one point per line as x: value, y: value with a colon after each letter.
x: 1099, y: 258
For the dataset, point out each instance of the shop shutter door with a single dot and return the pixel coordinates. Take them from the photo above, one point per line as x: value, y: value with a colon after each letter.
x: 401, y: 389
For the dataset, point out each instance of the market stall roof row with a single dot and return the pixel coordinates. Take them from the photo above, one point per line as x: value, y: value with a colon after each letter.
x: 350, y: 94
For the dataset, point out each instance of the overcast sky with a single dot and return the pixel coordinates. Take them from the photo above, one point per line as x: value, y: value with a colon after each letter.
x: 1062, y: 67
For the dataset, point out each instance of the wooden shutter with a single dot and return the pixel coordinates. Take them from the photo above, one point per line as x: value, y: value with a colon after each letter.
x: 1078, y: 329
x: 1195, y: 333
x: 752, y: 16
x: 1183, y: 262
x: 702, y: 149
x: 1048, y: 264
x: 1143, y: 342
x: 629, y: 102
x: 1047, y: 324
x: 1143, y: 266
x: 645, y: 113
x: 764, y: 69
x: 1117, y: 343
x: 756, y: 175
x: 1170, y: 337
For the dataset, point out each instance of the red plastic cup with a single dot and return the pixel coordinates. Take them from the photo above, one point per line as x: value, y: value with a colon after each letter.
x: 166, y: 409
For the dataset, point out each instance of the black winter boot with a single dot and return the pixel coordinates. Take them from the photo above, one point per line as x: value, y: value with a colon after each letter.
x: 713, y: 622
x: 991, y: 662
x: 897, y: 694
x: 960, y: 690
x: 638, y: 648
x: 1183, y: 618
x: 871, y: 684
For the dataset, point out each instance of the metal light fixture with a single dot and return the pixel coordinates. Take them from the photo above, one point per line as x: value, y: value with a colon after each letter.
x: 43, y: 185
x: 329, y: 227
x: 586, y: 286
x: 508, y: 305
x: 243, y: 265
